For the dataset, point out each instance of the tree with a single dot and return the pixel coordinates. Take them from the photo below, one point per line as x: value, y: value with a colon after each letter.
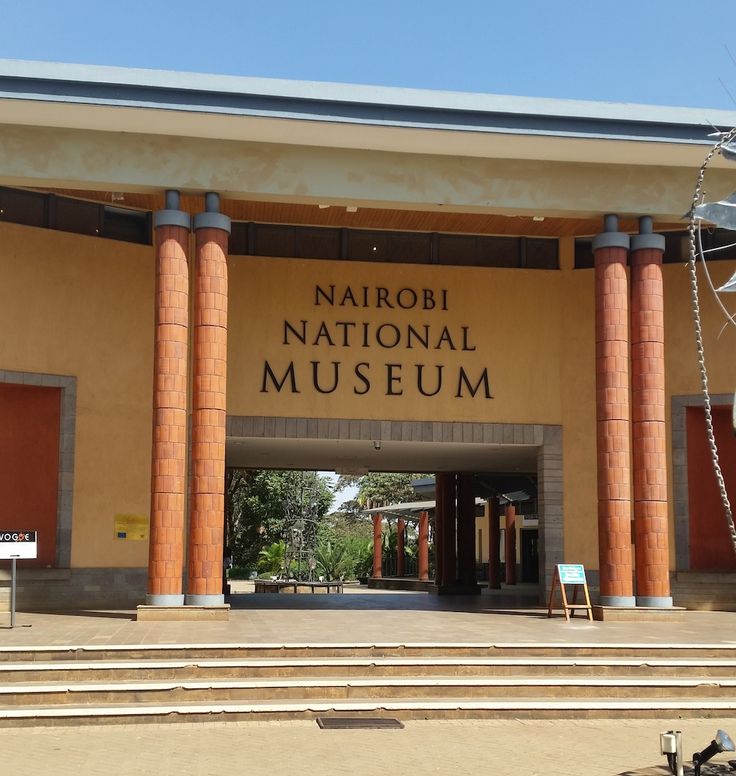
x: 262, y: 505
x: 380, y: 488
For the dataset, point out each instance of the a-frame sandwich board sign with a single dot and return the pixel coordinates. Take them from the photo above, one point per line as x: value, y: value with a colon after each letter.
x: 570, y: 575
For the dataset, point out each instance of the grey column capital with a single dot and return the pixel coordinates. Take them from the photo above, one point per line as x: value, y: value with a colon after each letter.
x: 212, y: 218
x: 646, y: 239
x: 611, y: 237
x: 171, y: 215
x: 641, y: 241
x: 212, y: 221
x: 611, y: 240
x: 172, y: 218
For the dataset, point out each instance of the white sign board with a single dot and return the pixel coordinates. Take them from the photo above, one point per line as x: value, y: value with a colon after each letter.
x: 571, y: 573
x: 18, y: 544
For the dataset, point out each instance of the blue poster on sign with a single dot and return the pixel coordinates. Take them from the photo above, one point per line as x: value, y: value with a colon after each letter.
x: 571, y: 573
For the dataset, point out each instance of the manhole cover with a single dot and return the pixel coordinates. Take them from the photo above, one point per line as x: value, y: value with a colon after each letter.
x: 357, y: 723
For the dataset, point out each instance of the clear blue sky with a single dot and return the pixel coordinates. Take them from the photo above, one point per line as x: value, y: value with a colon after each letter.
x: 669, y: 52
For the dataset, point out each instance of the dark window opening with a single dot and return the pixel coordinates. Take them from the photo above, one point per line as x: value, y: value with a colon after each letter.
x: 317, y: 243
x: 126, y: 225
x: 66, y: 214
x: 541, y: 253
x: 23, y: 207
x: 75, y: 215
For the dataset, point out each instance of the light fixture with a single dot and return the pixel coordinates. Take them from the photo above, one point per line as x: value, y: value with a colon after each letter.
x: 721, y: 743
x: 670, y: 745
x: 376, y: 444
x: 352, y: 208
x: 538, y: 218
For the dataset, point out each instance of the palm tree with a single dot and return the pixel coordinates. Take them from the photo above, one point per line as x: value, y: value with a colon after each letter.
x: 334, y: 560
x: 271, y: 558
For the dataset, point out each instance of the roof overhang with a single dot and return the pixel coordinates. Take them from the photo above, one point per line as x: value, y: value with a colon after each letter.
x: 350, y: 116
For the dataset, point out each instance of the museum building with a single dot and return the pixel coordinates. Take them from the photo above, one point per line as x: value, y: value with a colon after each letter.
x: 202, y: 272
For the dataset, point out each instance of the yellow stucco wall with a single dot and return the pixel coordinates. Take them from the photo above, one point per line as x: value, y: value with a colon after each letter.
x: 512, y: 319
x: 83, y: 306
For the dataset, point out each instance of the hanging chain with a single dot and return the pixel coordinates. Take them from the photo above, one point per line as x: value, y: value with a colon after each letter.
x: 699, y: 334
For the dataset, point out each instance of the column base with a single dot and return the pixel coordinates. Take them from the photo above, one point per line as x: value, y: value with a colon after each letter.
x: 164, y: 600
x: 182, y: 613
x: 204, y: 600
x: 638, y: 614
x: 617, y: 600
x: 654, y: 602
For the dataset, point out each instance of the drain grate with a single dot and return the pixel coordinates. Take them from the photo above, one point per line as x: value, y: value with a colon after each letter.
x: 359, y: 723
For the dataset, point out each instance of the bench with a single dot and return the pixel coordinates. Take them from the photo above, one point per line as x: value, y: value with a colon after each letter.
x: 292, y: 586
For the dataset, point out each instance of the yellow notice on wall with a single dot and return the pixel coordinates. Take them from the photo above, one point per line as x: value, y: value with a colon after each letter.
x: 131, y: 527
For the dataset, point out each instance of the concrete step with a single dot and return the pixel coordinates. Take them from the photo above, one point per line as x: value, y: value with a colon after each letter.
x: 330, y: 650
x: 212, y: 669
x: 323, y: 689
x: 67, y: 685
x: 446, y: 708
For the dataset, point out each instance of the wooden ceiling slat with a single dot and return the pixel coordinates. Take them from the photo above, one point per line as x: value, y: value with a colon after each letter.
x: 375, y: 218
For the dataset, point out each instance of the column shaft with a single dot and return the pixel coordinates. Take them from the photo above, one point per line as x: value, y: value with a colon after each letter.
x: 466, y: 529
x: 510, y: 544
x: 445, y: 501
x: 423, y: 549
x: 169, y: 451
x: 494, y: 544
x: 207, y: 506
x: 400, y: 552
x: 612, y: 413
x: 377, y: 546
x: 439, y: 533
x: 648, y: 420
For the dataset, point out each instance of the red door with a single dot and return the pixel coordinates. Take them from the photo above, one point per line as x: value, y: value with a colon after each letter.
x: 710, y: 541
x: 30, y: 421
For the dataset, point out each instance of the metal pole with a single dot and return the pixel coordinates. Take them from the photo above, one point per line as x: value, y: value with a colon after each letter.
x: 12, y: 591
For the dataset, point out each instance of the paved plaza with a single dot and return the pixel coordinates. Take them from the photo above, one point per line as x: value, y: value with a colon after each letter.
x: 497, y: 747
x: 367, y: 617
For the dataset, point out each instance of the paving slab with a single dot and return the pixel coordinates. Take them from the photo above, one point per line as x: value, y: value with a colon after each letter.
x: 531, y: 748
x: 370, y: 618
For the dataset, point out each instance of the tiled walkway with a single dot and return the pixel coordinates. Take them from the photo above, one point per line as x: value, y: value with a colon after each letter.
x: 358, y: 616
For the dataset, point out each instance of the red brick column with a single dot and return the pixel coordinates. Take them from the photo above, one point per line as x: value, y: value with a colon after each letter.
x: 423, y: 549
x: 612, y: 414
x: 648, y: 420
x: 169, y: 453
x: 494, y: 544
x: 510, y: 544
x: 377, y: 546
x: 400, y: 552
x: 207, y: 506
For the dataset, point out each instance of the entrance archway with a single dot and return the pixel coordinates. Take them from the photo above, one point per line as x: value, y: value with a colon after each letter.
x: 359, y: 445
